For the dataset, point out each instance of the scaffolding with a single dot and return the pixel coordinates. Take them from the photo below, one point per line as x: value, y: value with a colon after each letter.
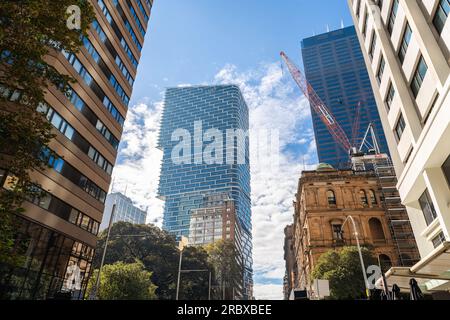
x: 396, y: 214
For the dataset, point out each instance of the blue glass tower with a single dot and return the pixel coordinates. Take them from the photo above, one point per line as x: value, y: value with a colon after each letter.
x: 186, y: 185
x: 334, y: 65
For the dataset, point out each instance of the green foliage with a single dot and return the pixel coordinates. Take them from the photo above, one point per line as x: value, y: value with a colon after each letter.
x: 31, y: 33
x: 223, y: 257
x: 343, y: 269
x: 122, y: 281
x: 157, y: 250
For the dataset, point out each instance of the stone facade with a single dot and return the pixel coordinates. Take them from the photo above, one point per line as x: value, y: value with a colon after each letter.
x: 325, y: 198
x: 289, y: 257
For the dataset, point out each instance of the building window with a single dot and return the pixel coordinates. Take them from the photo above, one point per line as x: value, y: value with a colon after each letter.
x: 380, y: 71
x: 337, y: 231
x: 406, y: 39
x: 358, y: 7
x: 366, y: 22
x: 376, y: 229
x: 380, y: 4
x: 392, y: 16
x: 400, y: 127
x: 331, y: 197
x: 363, y: 198
x: 441, y: 15
x: 390, y: 96
x: 419, y: 75
x: 427, y: 207
x: 446, y: 169
x: 373, y: 44
x: 373, y: 197
x: 438, y: 240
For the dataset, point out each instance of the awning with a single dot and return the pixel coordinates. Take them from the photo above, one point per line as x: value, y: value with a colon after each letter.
x: 432, y: 272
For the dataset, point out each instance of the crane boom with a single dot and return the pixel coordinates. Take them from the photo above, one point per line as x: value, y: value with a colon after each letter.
x: 318, y: 105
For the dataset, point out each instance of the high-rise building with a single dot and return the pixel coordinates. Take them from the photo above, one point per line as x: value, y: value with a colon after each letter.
x: 406, y: 47
x: 216, y: 220
x: 57, y: 234
x: 326, y: 197
x: 335, y: 68
x: 125, y: 211
x: 193, y: 170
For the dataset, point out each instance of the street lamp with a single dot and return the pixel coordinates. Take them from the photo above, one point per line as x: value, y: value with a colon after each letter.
x: 366, y: 282
x: 93, y: 295
x: 181, y: 244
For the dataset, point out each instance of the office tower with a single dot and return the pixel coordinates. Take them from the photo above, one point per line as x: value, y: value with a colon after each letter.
x: 125, y: 211
x: 324, y: 199
x: 406, y: 49
x: 191, y: 117
x: 58, y: 233
x: 335, y: 68
x: 216, y: 220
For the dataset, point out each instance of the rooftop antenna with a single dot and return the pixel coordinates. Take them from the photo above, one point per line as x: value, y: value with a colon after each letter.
x: 126, y: 188
x: 328, y: 28
x: 342, y: 24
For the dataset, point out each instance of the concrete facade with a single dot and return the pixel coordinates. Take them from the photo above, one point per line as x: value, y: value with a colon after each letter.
x: 413, y: 40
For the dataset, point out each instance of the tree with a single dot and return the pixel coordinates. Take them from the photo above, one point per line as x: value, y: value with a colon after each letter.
x: 343, y: 269
x: 223, y: 257
x: 124, y: 281
x: 29, y: 32
x: 157, y: 250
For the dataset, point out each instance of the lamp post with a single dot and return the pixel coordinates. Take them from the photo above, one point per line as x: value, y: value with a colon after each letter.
x: 181, y: 244
x: 93, y: 295
x: 366, y: 282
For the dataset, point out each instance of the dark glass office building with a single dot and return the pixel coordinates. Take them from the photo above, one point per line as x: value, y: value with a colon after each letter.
x: 334, y: 65
x: 187, y: 178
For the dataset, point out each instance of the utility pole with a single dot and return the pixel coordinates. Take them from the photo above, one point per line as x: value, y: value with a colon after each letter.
x: 93, y: 295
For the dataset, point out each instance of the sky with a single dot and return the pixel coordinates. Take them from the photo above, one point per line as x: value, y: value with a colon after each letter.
x: 190, y: 42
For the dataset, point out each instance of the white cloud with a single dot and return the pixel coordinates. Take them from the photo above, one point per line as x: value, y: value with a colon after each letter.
x: 137, y: 170
x: 274, y: 103
x: 268, y: 291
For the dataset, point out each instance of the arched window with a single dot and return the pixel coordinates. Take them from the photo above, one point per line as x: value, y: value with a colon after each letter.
x: 363, y: 198
x: 331, y: 197
x: 376, y: 229
x: 373, y: 198
x: 385, y: 262
x: 336, y: 228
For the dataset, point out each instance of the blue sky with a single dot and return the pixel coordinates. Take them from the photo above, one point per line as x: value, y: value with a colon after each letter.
x: 189, y: 41
x: 230, y: 41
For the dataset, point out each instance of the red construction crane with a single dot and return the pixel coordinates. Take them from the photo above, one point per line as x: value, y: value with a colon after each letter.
x: 318, y: 105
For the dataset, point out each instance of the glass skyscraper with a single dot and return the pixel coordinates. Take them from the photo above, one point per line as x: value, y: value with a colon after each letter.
x: 125, y: 210
x: 334, y: 66
x: 193, y: 112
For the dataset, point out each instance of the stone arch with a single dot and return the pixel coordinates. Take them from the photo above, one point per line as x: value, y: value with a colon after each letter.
x: 376, y: 229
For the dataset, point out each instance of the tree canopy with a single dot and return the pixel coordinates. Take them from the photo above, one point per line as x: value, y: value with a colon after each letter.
x: 124, y: 281
x: 343, y: 269
x: 157, y: 250
x: 223, y: 258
